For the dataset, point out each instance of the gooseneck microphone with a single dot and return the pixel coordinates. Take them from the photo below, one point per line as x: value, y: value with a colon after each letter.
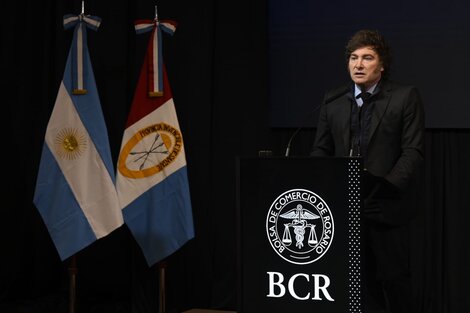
x: 331, y: 98
x: 290, y: 140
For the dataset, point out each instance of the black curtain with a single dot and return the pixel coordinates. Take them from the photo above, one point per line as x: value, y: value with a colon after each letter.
x: 217, y: 66
x: 447, y: 256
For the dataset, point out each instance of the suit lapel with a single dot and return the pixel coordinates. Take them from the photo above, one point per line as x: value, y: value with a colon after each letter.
x: 380, y: 106
x: 346, y: 123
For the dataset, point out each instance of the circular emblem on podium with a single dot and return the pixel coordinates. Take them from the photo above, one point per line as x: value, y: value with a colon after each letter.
x: 300, y: 226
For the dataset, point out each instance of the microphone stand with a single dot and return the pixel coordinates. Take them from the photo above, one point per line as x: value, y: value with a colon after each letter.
x: 332, y: 98
x: 290, y: 140
x: 289, y: 143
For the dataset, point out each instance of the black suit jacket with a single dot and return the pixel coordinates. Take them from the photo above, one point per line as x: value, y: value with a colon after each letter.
x: 395, y: 149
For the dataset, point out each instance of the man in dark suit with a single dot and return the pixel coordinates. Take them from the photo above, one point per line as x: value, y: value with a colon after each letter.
x: 383, y: 123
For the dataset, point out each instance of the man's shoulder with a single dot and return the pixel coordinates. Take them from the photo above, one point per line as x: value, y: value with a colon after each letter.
x: 401, y: 94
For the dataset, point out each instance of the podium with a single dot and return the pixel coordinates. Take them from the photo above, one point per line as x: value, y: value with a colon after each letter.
x: 299, y: 234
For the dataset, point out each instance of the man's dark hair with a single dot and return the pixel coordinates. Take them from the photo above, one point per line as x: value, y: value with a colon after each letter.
x: 372, y: 38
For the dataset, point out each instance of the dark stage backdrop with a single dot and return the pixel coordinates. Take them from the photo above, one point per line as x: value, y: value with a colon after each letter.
x: 429, y: 42
x: 218, y: 68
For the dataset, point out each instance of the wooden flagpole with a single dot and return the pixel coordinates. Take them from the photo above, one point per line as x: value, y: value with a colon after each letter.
x: 73, y: 259
x: 72, y: 281
x: 161, y: 287
x: 161, y: 264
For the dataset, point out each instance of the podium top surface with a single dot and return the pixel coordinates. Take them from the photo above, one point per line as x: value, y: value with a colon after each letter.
x: 207, y: 311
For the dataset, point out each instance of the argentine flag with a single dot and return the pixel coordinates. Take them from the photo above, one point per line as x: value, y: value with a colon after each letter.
x: 75, y: 191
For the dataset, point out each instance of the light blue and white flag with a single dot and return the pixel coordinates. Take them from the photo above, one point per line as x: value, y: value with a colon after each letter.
x: 75, y: 189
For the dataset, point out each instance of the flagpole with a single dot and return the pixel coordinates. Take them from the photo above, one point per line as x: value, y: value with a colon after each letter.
x: 73, y: 281
x: 73, y: 260
x: 161, y: 289
x: 161, y: 264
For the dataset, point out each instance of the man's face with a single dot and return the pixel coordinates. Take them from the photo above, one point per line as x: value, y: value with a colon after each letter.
x: 365, y: 67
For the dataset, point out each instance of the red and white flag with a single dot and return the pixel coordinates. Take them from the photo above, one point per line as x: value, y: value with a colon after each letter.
x: 151, y: 180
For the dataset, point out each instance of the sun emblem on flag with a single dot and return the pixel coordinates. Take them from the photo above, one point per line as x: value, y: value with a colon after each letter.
x: 70, y: 143
x: 150, y: 150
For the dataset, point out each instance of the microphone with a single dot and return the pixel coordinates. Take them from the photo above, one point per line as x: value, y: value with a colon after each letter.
x: 342, y: 91
x: 298, y: 129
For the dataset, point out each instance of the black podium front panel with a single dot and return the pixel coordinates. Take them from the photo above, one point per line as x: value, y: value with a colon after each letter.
x: 299, y: 235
